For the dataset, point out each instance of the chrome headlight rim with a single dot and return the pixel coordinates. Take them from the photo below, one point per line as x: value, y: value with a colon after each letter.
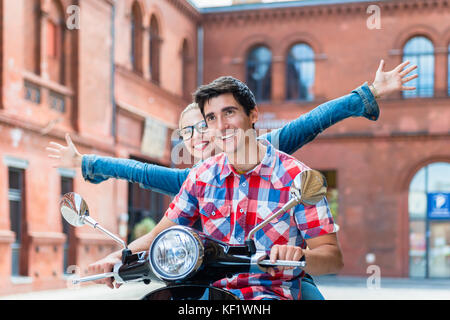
x: 193, y: 269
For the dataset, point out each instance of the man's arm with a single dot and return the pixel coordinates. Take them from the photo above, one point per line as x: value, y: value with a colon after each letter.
x: 317, y: 228
x: 324, y: 255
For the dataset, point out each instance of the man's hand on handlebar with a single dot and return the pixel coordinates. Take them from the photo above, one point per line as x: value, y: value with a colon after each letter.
x: 284, y: 252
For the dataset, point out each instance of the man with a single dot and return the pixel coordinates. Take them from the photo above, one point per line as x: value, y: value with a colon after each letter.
x: 234, y: 191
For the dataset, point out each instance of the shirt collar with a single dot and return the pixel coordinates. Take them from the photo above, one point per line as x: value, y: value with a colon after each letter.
x: 222, y: 168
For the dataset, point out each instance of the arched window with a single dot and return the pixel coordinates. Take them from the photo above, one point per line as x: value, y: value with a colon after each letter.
x: 136, y: 37
x: 32, y: 35
x: 429, y: 221
x: 259, y: 77
x: 419, y: 50
x: 184, y: 70
x: 155, y: 41
x: 448, y: 71
x: 300, y: 71
x: 55, y: 43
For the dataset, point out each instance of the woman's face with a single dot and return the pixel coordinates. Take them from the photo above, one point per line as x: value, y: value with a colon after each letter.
x: 199, y: 145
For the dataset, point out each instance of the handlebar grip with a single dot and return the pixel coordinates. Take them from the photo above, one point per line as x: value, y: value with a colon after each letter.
x: 137, y: 270
x: 94, y: 277
x: 283, y: 263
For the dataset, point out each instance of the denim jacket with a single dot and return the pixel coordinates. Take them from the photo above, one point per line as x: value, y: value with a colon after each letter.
x: 359, y: 103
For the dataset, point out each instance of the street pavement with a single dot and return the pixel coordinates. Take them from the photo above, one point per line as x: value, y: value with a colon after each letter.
x: 355, y: 288
x: 332, y: 288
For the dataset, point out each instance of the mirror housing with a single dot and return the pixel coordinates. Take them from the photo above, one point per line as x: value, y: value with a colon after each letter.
x: 309, y: 187
x: 76, y: 212
x: 74, y: 209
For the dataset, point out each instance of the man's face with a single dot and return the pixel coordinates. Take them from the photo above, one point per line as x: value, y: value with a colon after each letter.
x: 228, y: 123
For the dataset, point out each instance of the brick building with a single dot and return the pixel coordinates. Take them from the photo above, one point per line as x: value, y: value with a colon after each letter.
x: 112, y: 72
x: 108, y: 72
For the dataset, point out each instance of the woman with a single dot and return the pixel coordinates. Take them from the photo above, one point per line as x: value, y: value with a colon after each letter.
x: 193, y: 130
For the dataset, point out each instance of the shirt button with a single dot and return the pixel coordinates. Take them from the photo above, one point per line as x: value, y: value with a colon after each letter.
x: 238, y: 239
x: 242, y: 210
x: 213, y: 213
x: 244, y: 184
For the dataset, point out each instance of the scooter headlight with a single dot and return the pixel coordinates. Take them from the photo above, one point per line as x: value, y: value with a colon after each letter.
x: 176, y: 253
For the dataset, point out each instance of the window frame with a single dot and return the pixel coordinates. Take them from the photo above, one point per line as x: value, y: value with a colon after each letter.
x: 421, y: 91
x: 289, y: 62
x: 261, y: 93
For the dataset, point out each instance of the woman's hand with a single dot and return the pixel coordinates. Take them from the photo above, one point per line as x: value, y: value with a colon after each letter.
x: 387, y: 82
x: 103, y: 266
x: 65, y: 156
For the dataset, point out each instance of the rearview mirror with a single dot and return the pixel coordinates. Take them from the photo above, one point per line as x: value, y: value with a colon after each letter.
x: 309, y: 187
x: 76, y: 212
x: 74, y: 209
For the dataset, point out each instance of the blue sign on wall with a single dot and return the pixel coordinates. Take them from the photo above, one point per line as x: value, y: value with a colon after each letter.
x: 439, y: 205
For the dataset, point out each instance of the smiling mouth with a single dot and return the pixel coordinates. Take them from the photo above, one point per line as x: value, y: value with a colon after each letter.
x: 228, y: 136
x: 201, y: 146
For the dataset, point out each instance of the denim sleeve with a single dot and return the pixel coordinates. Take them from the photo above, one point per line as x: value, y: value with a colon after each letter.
x: 161, y: 179
x: 291, y: 137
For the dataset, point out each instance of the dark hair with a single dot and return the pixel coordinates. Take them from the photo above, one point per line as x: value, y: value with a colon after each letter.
x: 223, y: 85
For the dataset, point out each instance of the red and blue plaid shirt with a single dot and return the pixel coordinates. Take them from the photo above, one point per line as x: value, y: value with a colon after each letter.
x: 231, y: 204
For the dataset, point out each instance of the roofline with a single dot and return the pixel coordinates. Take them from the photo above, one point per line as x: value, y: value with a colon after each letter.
x: 279, y: 5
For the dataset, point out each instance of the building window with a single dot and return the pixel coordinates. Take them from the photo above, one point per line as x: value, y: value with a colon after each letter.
x: 32, y: 92
x: 420, y: 51
x: 259, y: 75
x: 448, y: 71
x: 136, y: 38
x: 300, y: 71
x: 145, y: 210
x: 429, y: 222
x: 15, y: 197
x: 66, y: 186
x: 32, y: 32
x: 184, y: 70
x: 155, y: 44
x: 332, y: 192
x: 52, y: 39
x: 57, y: 102
x: 55, y: 43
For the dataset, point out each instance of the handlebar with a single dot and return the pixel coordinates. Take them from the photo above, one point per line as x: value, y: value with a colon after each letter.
x: 124, y: 273
x: 283, y: 263
x: 137, y: 268
x: 94, y: 277
x: 134, y: 267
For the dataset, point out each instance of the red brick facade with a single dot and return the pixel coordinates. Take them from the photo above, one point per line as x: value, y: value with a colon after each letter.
x: 79, y: 70
x: 76, y: 83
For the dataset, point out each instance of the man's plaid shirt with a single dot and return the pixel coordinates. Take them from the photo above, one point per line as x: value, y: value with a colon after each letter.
x: 231, y: 204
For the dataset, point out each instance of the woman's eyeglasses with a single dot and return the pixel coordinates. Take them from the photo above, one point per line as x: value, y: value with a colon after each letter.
x: 187, y: 132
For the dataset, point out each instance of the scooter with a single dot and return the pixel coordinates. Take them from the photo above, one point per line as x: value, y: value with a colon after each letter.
x: 189, y: 261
